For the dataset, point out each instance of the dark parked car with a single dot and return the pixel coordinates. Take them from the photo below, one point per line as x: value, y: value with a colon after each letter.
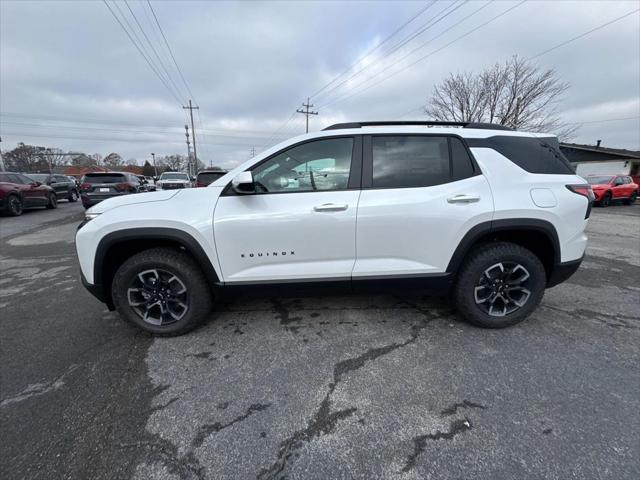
x: 206, y: 177
x: 18, y: 192
x: 64, y: 187
x: 95, y: 187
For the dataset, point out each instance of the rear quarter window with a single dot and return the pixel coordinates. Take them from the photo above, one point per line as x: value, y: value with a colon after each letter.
x: 533, y: 154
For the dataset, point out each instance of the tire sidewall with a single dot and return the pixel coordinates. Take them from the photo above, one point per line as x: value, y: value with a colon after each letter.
x: 73, y: 196
x: 199, y: 295
x: 14, y: 201
x: 53, y: 201
x: 465, y: 285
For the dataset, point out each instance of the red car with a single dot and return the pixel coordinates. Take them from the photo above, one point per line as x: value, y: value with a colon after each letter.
x: 18, y: 192
x: 608, y: 188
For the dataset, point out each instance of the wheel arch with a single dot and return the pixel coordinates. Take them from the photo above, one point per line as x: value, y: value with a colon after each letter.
x: 538, y: 236
x: 116, y: 247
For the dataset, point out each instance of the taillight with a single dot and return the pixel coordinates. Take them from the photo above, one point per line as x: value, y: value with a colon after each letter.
x: 587, y: 192
x: 85, y: 186
x: 584, y: 190
x: 121, y: 187
x: 200, y: 184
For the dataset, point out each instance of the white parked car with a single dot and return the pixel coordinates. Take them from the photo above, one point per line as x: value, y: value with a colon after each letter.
x: 494, y: 215
x: 173, y: 180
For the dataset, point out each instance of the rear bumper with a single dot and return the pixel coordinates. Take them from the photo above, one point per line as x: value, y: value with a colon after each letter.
x: 563, y: 272
x: 89, y: 200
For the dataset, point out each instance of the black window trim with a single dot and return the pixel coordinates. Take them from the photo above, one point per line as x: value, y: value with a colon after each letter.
x: 367, y: 158
x: 355, y: 172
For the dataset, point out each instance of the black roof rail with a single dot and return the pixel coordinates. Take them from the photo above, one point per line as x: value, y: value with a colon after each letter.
x: 479, y: 125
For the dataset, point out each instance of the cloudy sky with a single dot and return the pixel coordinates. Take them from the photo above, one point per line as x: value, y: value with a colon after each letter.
x: 71, y: 78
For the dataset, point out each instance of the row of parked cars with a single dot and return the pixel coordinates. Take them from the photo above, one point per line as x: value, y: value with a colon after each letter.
x: 19, y: 191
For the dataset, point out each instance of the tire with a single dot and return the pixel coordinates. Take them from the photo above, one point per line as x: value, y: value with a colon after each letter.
x: 73, y: 196
x: 182, y: 312
x: 15, y: 206
x: 606, y: 200
x: 632, y: 199
x: 480, y: 277
x: 53, y: 201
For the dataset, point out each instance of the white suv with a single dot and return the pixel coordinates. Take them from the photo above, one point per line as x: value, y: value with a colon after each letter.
x: 493, y: 215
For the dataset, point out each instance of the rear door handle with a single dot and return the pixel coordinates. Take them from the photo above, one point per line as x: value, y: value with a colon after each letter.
x: 463, y: 199
x: 331, y: 207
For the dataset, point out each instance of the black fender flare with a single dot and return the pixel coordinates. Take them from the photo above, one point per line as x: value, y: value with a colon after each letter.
x: 190, y: 244
x: 513, y: 224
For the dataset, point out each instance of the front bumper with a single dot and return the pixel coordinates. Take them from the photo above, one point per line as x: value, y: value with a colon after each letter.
x: 563, y: 272
x: 97, y: 291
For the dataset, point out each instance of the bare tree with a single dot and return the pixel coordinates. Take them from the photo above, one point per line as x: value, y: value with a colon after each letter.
x: 112, y: 160
x: 173, y: 163
x: 516, y: 94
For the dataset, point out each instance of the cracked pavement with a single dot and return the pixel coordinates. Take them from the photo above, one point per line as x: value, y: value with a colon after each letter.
x: 358, y: 387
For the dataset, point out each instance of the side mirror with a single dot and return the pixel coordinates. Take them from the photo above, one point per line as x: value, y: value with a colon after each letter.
x: 35, y: 184
x: 243, y: 183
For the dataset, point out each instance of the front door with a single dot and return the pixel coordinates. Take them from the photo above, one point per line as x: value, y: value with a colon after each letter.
x: 420, y: 195
x: 300, y: 223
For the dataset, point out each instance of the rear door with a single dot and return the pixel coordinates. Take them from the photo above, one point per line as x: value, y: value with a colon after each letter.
x: 421, y: 194
x: 301, y: 222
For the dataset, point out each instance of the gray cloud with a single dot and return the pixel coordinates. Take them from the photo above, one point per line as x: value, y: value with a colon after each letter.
x: 79, y: 84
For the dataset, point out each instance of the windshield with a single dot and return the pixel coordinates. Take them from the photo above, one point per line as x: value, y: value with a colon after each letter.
x: 104, y: 178
x: 39, y: 177
x: 599, y: 180
x: 174, y: 176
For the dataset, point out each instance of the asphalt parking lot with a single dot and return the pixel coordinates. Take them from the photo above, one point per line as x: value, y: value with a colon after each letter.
x: 331, y: 387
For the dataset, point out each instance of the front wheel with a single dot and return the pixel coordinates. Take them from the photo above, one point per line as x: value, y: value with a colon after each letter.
x: 606, y: 200
x: 499, y: 285
x: 53, y: 201
x: 162, y: 291
x: 14, y: 205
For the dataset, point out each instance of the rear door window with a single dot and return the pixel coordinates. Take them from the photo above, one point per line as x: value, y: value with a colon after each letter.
x: 406, y: 161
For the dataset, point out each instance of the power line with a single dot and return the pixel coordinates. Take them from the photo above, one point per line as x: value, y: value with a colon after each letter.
x: 583, y: 34
x: 141, y: 53
x: 423, y: 28
x: 420, y: 12
x: 473, y: 30
x: 152, y: 47
x: 166, y: 42
x: 148, y: 132
x: 419, y: 47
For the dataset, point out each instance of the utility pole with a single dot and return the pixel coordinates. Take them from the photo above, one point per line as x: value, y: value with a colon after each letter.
x: 307, y: 112
x: 153, y: 155
x: 1, y: 161
x: 253, y: 152
x: 186, y: 130
x: 191, y: 108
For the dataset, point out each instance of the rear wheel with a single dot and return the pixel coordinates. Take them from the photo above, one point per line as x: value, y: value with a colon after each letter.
x: 53, y: 201
x: 73, y: 196
x: 162, y: 291
x: 14, y: 205
x: 606, y: 200
x: 499, y: 285
x: 632, y: 199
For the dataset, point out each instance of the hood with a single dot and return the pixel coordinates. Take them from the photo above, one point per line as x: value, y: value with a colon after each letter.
x: 110, y: 203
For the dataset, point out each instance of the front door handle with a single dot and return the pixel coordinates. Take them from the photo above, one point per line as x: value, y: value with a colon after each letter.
x: 331, y: 207
x: 463, y: 199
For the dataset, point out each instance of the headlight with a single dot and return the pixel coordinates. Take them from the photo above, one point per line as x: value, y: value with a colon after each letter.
x: 90, y: 216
